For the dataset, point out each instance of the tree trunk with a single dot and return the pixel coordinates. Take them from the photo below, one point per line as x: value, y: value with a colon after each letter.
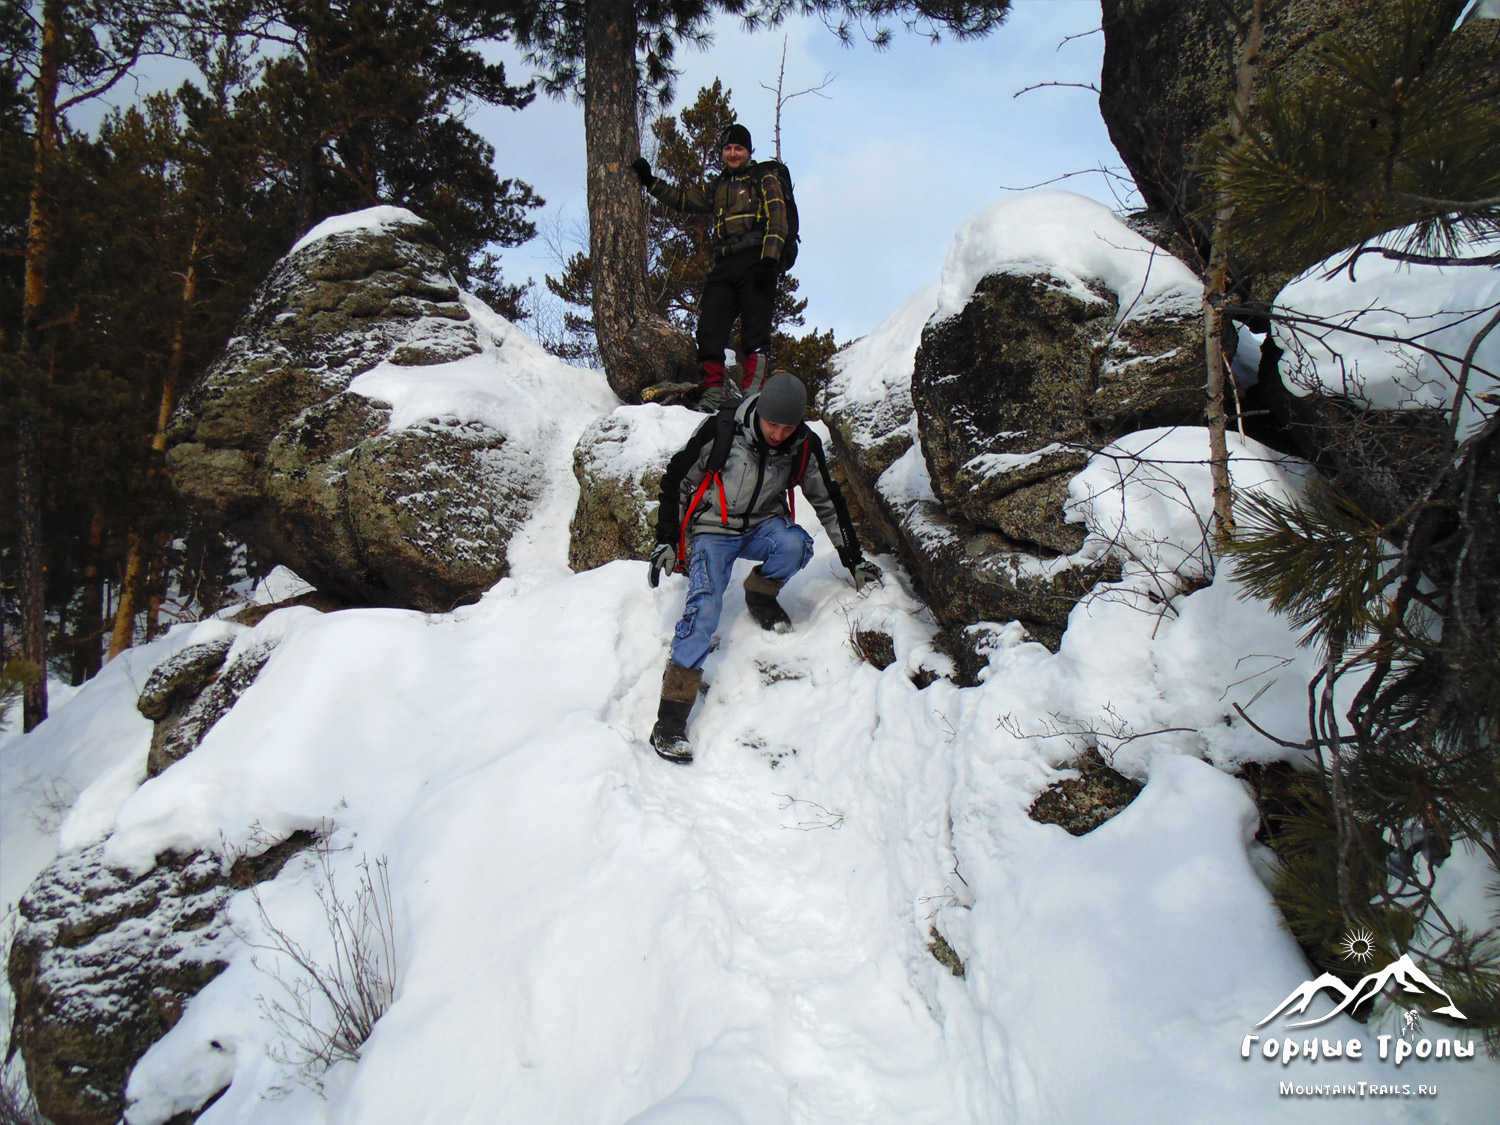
x: 1218, y: 284
x: 87, y: 656
x: 123, y: 635
x: 130, y: 586
x: 32, y: 574
x: 39, y: 231
x: 636, y: 346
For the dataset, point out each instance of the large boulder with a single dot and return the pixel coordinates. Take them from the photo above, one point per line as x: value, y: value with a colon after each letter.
x: 960, y: 421
x: 1015, y: 391
x: 104, y: 963
x: 1369, y: 390
x: 274, y: 445
x: 619, y: 462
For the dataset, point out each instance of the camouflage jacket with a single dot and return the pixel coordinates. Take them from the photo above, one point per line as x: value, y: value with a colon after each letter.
x: 747, y: 206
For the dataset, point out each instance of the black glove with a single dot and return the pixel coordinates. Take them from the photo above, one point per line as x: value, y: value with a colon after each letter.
x: 864, y: 573
x: 642, y: 171
x: 764, y: 273
x: 663, y: 561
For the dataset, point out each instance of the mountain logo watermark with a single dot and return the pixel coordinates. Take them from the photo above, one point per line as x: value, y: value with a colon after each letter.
x: 1415, y: 986
x: 1358, y: 945
x: 1402, y: 972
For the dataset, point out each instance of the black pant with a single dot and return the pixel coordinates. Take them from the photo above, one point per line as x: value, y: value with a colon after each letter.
x: 730, y: 290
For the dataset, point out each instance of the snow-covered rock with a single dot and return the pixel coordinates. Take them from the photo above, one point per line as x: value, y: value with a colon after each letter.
x: 1392, y: 335
x: 1053, y: 330
x: 1369, y: 362
x: 619, y: 462
x: 1057, y: 330
x: 315, y: 439
x: 104, y: 963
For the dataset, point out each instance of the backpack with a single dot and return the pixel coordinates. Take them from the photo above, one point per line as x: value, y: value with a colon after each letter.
x: 718, y: 457
x: 793, y: 231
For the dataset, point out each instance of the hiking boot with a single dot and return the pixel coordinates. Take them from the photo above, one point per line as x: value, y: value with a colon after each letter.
x: 760, y: 600
x: 715, y: 388
x: 715, y: 397
x: 679, y: 688
x: 669, y: 736
x: 755, y: 369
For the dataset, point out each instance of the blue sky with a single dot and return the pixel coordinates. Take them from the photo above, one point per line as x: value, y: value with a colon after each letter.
x: 906, y: 145
x: 903, y: 147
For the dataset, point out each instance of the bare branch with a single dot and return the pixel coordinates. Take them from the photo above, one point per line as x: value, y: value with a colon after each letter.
x: 1404, y: 256
x: 1099, y: 171
x: 1066, y: 39
x: 1040, y: 85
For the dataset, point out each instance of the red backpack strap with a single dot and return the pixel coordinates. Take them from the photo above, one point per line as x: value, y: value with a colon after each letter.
x: 715, y: 478
x: 718, y: 457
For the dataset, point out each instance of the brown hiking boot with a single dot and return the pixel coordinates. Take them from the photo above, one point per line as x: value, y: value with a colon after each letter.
x: 679, y: 688
x: 760, y: 600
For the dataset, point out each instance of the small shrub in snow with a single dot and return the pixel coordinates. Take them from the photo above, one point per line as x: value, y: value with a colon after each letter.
x: 17, y: 1106
x: 331, y: 1006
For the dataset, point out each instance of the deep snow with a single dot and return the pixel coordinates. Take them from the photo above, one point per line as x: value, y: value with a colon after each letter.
x: 587, y: 933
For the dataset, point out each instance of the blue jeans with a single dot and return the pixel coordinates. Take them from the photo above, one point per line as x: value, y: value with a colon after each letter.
x: 780, y: 546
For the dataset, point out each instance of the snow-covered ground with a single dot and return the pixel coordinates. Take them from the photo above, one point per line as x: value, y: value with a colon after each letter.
x: 1396, y: 335
x: 585, y: 933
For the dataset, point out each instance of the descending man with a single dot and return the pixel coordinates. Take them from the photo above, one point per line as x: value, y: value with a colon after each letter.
x: 729, y: 489
x: 750, y: 229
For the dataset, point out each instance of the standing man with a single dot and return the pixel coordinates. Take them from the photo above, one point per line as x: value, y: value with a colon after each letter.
x: 750, y: 229
x: 729, y: 489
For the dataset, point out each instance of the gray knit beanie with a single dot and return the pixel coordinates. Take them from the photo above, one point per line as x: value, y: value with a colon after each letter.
x: 782, y: 399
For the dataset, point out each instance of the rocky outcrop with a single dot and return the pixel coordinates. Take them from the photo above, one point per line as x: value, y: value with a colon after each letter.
x: 190, y: 692
x: 1169, y: 73
x: 968, y: 573
x: 1383, y: 460
x: 1081, y: 804
x: 619, y: 462
x: 960, y: 463
x: 274, y: 446
x: 104, y: 963
x: 1015, y: 392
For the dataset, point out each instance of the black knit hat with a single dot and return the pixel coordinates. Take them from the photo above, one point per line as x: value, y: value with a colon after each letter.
x: 782, y: 399
x: 737, y: 134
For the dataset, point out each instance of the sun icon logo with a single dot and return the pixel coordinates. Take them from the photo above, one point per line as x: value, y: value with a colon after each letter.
x: 1358, y: 945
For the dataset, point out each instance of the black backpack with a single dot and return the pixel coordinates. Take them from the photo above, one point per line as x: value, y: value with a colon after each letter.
x: 793, y: 234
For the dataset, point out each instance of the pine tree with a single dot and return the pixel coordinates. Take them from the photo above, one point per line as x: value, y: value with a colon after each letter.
x: 618, y: 55
x: 679, y: 249
x: 1404, y: 608
x: 361, y: 104
x: 144, y: 242
x: 66, y: 52
x: 1397, y: 133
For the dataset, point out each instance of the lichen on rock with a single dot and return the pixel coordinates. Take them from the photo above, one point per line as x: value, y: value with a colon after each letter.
x: 275, y: 446
x: 1081, y: 804
x: 619, y: 462
x: 103, y: 964
x: 188, y: 715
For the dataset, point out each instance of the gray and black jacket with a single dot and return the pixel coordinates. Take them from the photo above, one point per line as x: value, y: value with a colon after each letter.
x: 755, y: 478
